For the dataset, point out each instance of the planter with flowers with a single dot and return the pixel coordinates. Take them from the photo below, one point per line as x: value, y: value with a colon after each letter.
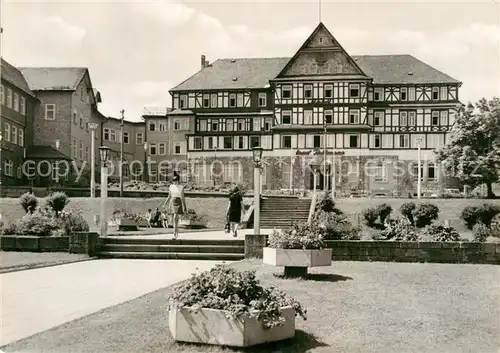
x: 230, y: 308
x: 297, y: 248
x: 191, y: 220
x: 126, y: 221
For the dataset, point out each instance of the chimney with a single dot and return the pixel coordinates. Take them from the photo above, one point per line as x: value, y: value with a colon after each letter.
x: 203, y: 62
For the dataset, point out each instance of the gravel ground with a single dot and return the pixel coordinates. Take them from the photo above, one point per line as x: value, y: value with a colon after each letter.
x: 15, y: 261
x: 352, y: 307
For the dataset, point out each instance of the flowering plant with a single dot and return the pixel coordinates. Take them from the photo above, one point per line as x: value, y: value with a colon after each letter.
x: 299, y: 236
x: 235, y: 292
x: 125, y: 214
x: 191, y: 215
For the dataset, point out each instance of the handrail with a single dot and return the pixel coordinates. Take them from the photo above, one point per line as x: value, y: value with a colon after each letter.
x: 312, y: 208
x: 247, y: 216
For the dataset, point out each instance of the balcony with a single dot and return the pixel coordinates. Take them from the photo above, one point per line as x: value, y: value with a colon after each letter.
x: 156, y: 111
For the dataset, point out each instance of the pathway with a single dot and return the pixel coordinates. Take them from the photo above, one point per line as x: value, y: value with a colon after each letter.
x: 36, y: 300
x: 200, y: 235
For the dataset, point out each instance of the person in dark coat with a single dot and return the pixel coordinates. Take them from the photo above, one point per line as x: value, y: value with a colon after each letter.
x: 235, y: 210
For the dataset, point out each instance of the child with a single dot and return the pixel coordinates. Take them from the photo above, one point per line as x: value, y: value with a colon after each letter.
x: 164, y: 219
x: 149, y: 218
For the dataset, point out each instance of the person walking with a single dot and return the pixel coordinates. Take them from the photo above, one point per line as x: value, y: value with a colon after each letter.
x: 176, y: 203
x: 235, y: 210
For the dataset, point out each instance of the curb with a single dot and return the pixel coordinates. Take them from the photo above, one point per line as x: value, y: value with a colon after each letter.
x: 36, y: 266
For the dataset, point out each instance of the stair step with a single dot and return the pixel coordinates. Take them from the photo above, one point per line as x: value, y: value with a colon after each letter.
x: 172, y: 256
x: 204, y: 249
x: 195, y: 242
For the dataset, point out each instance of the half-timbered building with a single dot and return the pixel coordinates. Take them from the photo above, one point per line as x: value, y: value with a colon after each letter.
x: 366, y: 114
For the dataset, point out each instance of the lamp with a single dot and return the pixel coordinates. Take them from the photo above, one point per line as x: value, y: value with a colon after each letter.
x: 257, y: 154
x: 58, y: 143
x: 104, y: 153
x: 145, y: 146
x: 93, y: 127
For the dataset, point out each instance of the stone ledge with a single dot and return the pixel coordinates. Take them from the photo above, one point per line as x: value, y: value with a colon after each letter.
x: 33, y: 243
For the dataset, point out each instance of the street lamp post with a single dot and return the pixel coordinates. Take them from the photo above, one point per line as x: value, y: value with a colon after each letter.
x: 213, y: 164
x: 93, y: 127
x: 419, y: 171
x: 325, y: 179
x: 58, y: 144
x: 121, y: 152
x: 145, y: 169
x: 104, y: 154
x: 1, y: 162
x: 257, y: 162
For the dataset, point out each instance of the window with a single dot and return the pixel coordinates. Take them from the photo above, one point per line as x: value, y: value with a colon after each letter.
x: 20, y: 137
x: 232, y: 100
x: 308, y: 117
x: 87, y: 153
x: 81, y: 122
x: 152, y: 148
x: 254, y: 141
x: 316, y: 141
x: 378, y: 94
x: 354, y: 141
x: 87, y: 126
x: 328, y: 117
x: 112, y: 135
x: 239, y: 101
x: 2, y: 94
x: 228, y: 142
x: 7, y: 132
x: 404, y: 141
x: 404, y: 94
x: 14, y: 135
x: 126, y: 137
x: 380, y: 173
x: 377, y: 141
x: 152, y: 126
x: 240, y: 142
x: 177, y: 125
x: 50, y: 111
x: 286, y: 117
x: 257, y: 124
x: 286, y: 92
x: 435, y: 118
x: 80, y: 150
x: 197, y: 143
x: 431, y: 172
x: 139, y: 140
x: 183, y: 101
x: 268, y: 123
x: 354, y: 90
x: 177, y: 148
x: 241, y: 125
x: 162, y: 148
x: 286, y: 141
x: 185, y: 124
x: 75, y: 117
x: 9, y: 98
x: 210, y: 143
x: 206, y: 101
x: 354, y: 116
x: 403, y: 118
x: 214, y: 125
x: 75, y: 148
x: 435, y: 93
x: 16, y: 102
x: 162, y: 127
x: 262, y: 99
x: 308, y: 91
x: 378, y: 118
x: 415, y: 172
x: 213, y: 101
x: 9, y: 167
x: 203, y: 125
x: 328, y: 91
x: 444, y: 118
x: 412, y: 118
x: 444, y: 93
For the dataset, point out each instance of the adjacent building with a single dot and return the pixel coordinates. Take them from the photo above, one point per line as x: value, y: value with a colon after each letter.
x: 369, y: 112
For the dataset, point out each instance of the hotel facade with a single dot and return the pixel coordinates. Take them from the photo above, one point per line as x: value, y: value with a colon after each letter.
x: 365, y: 114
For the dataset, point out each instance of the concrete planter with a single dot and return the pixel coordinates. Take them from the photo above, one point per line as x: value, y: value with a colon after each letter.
x: 297, y: 257
x: 188, y: 223
x: 34, y: 244
x: 125, y: 224
x: 211, y: 326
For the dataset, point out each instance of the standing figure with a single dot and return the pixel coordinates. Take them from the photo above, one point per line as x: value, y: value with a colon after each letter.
x: 175, y: 203
x: 235, y: 210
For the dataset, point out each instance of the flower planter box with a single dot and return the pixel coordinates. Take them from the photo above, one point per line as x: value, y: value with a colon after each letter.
x: 211, y: 326
x: 297, y: 257
x: 125, y: 224
x: 188, y: 223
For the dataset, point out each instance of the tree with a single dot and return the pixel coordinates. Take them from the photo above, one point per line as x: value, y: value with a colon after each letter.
x: 473, y: 153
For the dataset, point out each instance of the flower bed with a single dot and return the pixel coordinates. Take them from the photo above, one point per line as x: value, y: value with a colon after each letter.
x: 34, y: 243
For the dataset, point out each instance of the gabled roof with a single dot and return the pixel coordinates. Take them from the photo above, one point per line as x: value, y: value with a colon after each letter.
x: 234, y: 74
x: 323, y: 44
x: 53, y: 78
x: 45, y: 152
x: 390, y: 69
x: 12, y: 75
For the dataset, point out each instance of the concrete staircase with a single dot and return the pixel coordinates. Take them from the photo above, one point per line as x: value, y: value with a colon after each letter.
x: 281, y: 212
x: 182, y: 249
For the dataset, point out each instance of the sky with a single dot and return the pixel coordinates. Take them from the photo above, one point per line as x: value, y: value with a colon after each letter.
x: 137, y: 50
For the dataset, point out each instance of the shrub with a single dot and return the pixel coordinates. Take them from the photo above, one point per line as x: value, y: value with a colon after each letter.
x: 480, y: 233
x: 126, y: 214
x: 38, y: 224
x: 399, y: 230
x: 29, y: 202
x: 72, y: 222
x: 436, y: 232
x: 57, y: 201
x: 424, y: 214
x: 407, y: 209
x: 192, y: 216
x: 484, y: 213
x: 383, y: 211
x: 9, y: 229
x: 375, y: 216
x: 371, y: 216
x: 299, y: 236
x: 327, y: 204
x: 238, y: 293
x: 333, y: 226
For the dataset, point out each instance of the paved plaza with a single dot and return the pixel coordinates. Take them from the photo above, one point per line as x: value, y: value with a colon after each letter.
x: 39, y: 299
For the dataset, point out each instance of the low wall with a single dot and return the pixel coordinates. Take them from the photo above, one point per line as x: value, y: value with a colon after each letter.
x: 445, y: 252
x: 34, y: 244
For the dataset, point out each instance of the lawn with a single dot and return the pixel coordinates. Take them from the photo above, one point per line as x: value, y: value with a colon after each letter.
x: 15, y: 261
x: 352, y: 307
